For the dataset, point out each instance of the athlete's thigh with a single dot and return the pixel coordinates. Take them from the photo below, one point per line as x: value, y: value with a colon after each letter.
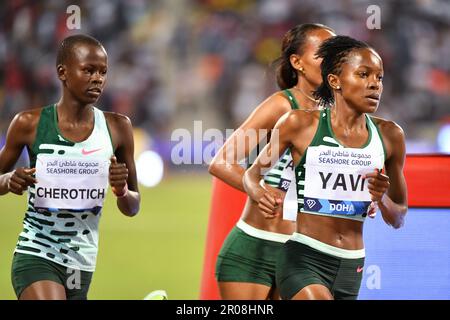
x: 314, y: 292
x: 243, y: 291
x: 44, y: 290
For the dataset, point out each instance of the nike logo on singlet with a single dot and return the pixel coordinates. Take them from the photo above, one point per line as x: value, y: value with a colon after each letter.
x: 87, y: 152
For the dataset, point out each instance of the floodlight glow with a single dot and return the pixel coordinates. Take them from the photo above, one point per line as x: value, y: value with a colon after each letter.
x: 443, y: 138
x: 150, y: 168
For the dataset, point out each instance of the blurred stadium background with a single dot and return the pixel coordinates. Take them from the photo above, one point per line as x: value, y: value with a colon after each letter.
x: 172, y: 62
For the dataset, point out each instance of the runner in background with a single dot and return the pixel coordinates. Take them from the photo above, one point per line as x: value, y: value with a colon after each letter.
x: 245, y: 267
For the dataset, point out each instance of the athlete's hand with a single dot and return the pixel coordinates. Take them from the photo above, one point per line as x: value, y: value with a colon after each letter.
x: 21, y: 179
x: 271, y: 202
x: 118, y: 175
x: 378, y: 184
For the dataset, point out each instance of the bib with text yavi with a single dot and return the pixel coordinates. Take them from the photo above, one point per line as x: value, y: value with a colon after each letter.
x: 70, y: 182
x: 334, y: 180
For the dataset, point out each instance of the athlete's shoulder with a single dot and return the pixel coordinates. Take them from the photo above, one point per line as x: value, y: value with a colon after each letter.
x: 299, y: 119
x: 120, y: 128
x: 277, y: 103
x: 117, y: 120
x: 27, y: 120
x: 304, y: 117
x: 267, y: 113
x: 389, y: 129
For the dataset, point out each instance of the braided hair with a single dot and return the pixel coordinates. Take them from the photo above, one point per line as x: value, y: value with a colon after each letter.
x: 293, y: 43
x: 334, y: 52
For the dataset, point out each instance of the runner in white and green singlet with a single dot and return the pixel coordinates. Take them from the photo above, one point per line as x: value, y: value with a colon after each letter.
x: 75, y: 152
x: 245, y: 267
x: 339, y: 154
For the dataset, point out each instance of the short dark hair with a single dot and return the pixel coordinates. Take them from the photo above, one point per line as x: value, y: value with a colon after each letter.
x: 293, y: 43
x: 334, y: 52
x: 66, y: 47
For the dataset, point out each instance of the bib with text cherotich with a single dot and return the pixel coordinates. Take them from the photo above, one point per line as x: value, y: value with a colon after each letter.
x: 64, y: 206
x: 78, y: 182
x: 331, y: 176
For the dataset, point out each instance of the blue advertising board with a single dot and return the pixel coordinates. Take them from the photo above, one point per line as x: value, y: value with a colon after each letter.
x: 412, y: 262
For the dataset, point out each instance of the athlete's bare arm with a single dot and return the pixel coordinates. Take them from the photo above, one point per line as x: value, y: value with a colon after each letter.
x: 122, y: 173
x: 225, y: 164
x: 389, y: 190
x: 21, y: 133
x: 295, y: 129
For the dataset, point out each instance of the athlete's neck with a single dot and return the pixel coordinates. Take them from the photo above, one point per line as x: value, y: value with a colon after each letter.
x: 305, y: 96
x: 345, y: 117
x: 73, y: 111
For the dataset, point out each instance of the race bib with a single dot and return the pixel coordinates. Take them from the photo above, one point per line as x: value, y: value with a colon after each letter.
x: 334, y: 180
x: 70, y: 183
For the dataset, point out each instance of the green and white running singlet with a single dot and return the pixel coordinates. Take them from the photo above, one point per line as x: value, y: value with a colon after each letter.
x: 329, y: 176
x: 64, y: 207
x: 280, y: 175
x: 248, y: 254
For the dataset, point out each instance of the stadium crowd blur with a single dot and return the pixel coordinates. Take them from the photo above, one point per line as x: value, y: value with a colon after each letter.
x: 172, y: 62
